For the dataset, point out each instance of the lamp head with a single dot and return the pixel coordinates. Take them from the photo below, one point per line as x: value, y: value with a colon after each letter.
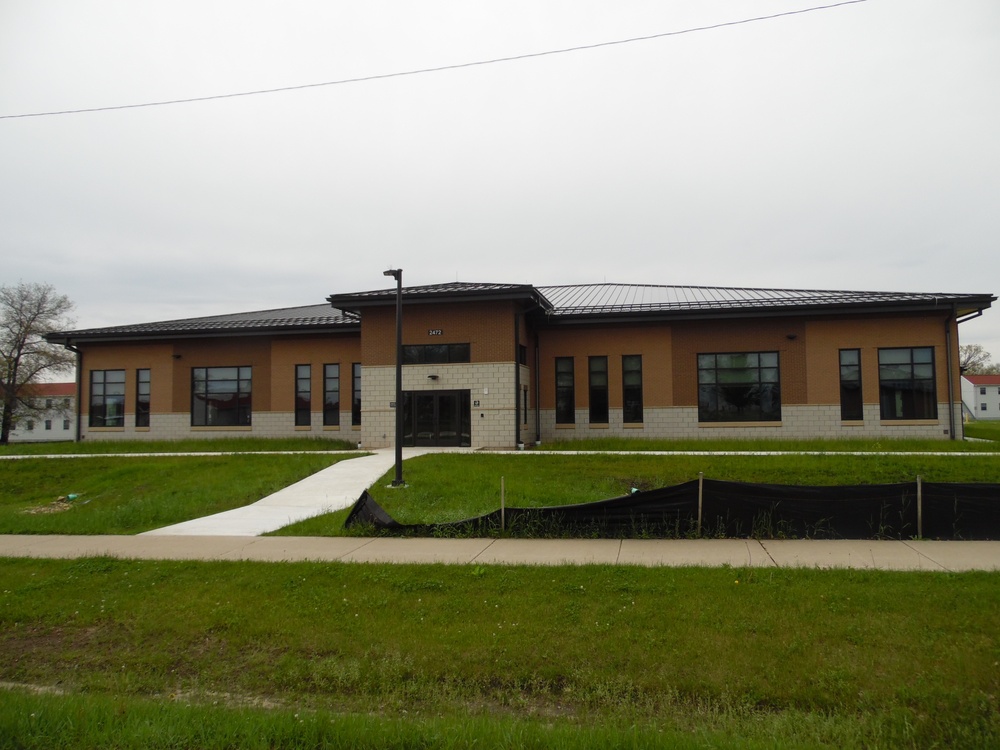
x: 396, y: 273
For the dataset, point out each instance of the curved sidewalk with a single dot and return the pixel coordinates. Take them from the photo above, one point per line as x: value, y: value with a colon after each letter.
x: 944, y: 557
x: 333, y: 488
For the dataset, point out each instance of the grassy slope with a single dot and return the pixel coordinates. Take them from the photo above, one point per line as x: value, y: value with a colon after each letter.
x: 800, y: 657
x: 133, y: 494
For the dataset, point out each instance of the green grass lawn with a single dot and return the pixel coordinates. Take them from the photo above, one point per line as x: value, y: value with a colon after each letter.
x: 983, y: 430
x: 125, y: 653
x: 128, y: 495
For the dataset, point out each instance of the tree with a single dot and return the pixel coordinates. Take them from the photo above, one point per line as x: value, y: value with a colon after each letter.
x: 973, y: 359
x: 27, y: 313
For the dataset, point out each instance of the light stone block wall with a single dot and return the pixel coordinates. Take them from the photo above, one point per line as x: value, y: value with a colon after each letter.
x: 490, y: 384
x: 797, y: 422
x: 177, y: 426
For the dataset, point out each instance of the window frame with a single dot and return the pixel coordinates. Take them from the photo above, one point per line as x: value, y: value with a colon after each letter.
x: 565, y: 382
x: 303, y: 395
x: 597, y: 390
x: 242, y: 409
x: 904, y: 401
x: 718, y: 383
x: 107, y: 396
x: 632, y: 406
x: 437, y: 354
x: 331, y: 387
x: 355, y: 394
x: 143, y: 381
x: 852, y: 404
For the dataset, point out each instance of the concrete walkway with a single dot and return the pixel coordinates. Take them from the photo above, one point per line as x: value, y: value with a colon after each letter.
x: 336, y: 487
x: 933, y: 556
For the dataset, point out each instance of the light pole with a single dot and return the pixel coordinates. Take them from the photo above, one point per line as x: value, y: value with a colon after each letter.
x: 397, y: 274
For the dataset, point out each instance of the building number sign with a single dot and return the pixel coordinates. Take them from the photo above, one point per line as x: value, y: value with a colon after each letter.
x: 435, y: 332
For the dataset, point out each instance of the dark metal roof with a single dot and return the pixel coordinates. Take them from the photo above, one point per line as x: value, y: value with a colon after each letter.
x: 648, y: 300
x: 456, y: 291
x: 283, y: 320
x: 581, y: 303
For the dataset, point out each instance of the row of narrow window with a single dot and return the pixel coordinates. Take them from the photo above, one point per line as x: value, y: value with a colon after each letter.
x: 220, y: 396
x: 746, y: 386
x: 29, y: 424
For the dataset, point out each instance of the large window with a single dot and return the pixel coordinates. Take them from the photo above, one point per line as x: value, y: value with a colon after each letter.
x: 331, y: 395
x: 632, y: 388
x: 598, y: 381
x: 565, y: 393
x: 851, y: 403
x: 107, y: 398
x: 303, y: 395
x: 220, y: 396
x: 356, y: 393
x: 142, y: 398
x: 435, y: 354
x: 739, y: 387
x: 906, y: 383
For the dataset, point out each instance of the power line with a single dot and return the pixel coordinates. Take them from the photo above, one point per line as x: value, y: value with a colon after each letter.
x: 439, y: 69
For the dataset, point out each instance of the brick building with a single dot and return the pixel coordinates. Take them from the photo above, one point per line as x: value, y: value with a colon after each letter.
x: 498, y: 365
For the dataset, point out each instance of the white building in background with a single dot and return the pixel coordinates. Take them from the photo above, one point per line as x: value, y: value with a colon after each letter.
x: 52, y: 417
x: 981, y: 396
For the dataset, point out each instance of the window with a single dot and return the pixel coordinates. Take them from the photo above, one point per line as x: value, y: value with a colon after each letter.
x: 107, y: 398
x: 142, y: 398
x: 982, y: 391
x: 435, y: 354
x: 48, y: 424
x: 65, y: 403
x: 851, y: 404
x: 220, y: 396
x: 598, y: 373
x: 632, y: 388
x: 30, y: 425
x: 303, y: 395
x: 356, y: 393
x: 982, y: 407
x: 65, y: 424
x: 906, y: 383
x: 739, y: 387
x: 565, y: 395
x: 48, y: 403
x: 331, y: 395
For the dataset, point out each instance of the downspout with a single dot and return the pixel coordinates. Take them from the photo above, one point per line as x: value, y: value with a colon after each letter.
x: 538, y: 394
x: 79, y: 390
x: 951, y: 375
x: 517, y: 380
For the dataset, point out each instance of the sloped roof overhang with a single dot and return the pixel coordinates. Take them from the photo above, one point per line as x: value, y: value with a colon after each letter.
x: 606, y: 303
x: 291, y: 321
x: 438, y: 293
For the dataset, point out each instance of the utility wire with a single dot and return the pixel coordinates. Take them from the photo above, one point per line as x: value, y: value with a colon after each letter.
x: 421, y: 71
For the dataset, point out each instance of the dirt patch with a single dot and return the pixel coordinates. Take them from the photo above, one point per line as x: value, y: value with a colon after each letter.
x: 59, y: 505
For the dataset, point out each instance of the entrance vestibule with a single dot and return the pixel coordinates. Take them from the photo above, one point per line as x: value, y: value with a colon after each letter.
x: 437, y: 418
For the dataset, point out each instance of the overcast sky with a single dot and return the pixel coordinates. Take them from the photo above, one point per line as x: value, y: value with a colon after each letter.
x: 856, y: 147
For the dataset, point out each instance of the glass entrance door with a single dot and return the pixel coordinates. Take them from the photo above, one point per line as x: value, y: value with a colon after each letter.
x: 437, y: 418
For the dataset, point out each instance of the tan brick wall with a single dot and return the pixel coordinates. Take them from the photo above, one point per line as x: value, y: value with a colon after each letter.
x: 487, y: 327
x: 315, y: 351
x: 653, y: 342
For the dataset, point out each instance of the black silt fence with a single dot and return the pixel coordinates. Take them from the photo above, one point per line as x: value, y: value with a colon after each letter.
x: 736, y: 509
